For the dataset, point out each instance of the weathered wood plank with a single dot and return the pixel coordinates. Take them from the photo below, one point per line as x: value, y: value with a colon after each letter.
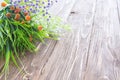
x: 70, y: 50
x: 89, y: 52
x: 104, y: 49
x: 84, y: 14
x: 62, y: 8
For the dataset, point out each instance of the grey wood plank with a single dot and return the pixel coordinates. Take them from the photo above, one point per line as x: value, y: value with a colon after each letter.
x: 104, y: 48
x: 28, y: 66
x: 62, y: 8
x: 85, y: 13
x: 72, y: 49
x: 118, y: 8
x: 89, y: 52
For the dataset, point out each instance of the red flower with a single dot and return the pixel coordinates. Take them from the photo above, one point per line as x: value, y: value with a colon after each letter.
x: 17, y: 10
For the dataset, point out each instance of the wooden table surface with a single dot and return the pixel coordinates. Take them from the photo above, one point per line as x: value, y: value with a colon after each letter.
x: 91, y: 51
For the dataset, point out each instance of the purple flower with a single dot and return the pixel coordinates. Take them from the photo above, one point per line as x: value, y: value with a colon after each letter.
x: 36, y: 6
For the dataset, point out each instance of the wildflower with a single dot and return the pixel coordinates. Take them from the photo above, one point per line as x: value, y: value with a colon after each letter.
x: 23, y: 22
x: 39, y: 28
x: 3, y: 4
x: 17, y: 10
x: 12, y: 8
x: 27, y: 18
x: 17, y: 16
x: 25, y: 13
x: 8, y: 15
x: 34, y: 6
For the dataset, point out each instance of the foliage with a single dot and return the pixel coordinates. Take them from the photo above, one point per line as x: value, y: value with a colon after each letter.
x: 21, y: 28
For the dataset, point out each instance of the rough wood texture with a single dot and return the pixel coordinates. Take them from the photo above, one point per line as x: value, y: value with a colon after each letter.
x: 90, y: 52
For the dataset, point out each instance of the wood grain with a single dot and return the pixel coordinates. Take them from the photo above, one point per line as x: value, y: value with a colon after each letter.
x: 62, y: 8
x: 91, y: 51
x: 104, y: 48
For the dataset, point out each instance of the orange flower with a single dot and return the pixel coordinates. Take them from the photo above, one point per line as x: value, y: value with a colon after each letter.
x: 39, y: 28
x: 3, y: 4
x: 25, y: 13
x: 30, y: 38
x: 8, y: 15
x: 27, y: 18
x: 17, y: 16
x: 12, y: 8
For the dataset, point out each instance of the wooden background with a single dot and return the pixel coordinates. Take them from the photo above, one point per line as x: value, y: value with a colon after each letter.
x: 90, y: 52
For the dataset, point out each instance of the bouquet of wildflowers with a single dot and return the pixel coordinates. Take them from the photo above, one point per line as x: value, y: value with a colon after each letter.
x: 22, y: 24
